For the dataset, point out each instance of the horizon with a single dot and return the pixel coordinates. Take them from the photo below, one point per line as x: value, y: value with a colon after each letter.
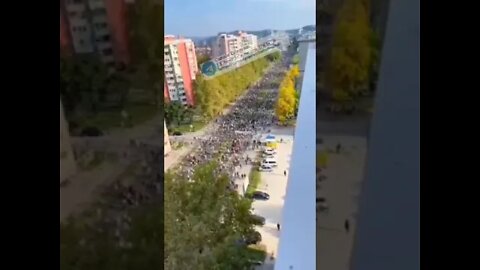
x: 213, y: 35
x: 207, y: 18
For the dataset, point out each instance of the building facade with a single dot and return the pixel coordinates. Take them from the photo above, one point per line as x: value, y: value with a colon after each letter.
x: 167, y: 147
x: 68, y: 166
x: 242, y: 43
x: 181, y: 69
x: 95, y: 26
x: 390, y: 200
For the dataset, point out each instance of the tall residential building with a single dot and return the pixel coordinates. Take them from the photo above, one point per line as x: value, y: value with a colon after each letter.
x: 180, y: 70
x: 234, y: 44
x: 167, y: 147
x: 95, y: 26
x: 68, y: 166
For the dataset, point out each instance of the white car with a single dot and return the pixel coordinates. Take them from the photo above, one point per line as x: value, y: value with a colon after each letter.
x: 269, y: 162
x: 269, y: 151
x: 265, y: 168
x: 265, y: 155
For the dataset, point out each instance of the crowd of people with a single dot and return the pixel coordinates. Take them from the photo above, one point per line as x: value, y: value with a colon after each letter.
x: 238, y: 130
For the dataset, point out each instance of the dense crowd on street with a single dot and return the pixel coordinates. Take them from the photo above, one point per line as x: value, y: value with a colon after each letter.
x: 236, y: 131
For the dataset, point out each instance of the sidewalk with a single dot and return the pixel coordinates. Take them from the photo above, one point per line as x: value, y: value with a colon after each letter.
x: 344, y: 174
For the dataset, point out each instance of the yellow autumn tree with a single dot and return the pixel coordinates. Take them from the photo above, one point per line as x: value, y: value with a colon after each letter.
x: 350, y: 58
x: 287, y: 102
x: 294, y: 72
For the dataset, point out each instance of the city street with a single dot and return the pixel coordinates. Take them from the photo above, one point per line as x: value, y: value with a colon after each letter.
x: 275, y: 184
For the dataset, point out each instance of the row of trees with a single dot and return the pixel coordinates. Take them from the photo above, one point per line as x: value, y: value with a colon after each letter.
x: 204, y: 222
x: 86, y: 85
x: 288, y: 98
x: 354, y: 54
x: 215, y: 94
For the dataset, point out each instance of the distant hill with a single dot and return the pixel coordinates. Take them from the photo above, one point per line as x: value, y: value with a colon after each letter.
x: 201, y: 41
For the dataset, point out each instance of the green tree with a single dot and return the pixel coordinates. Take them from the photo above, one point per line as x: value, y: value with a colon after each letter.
x: 83, y: 83
x: 146, y: 20
x: 174, y: 112
x: 274, y: 57
x: 202, y: 58
x: 203, y: 220
x: 296, y: 59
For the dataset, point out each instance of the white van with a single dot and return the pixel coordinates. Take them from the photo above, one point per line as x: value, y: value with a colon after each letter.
x: 270, y: 161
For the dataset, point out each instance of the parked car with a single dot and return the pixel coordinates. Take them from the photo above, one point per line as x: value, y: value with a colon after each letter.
x: 253, y: 238
x: 258, y: 220
x: 269, y: 151
x: 270, y: 161
x: 268, y: 155
x: 255, y: 263
x: 260, y: 195
x: 265, y: 168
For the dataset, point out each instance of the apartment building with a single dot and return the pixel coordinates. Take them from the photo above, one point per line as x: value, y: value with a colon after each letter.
x: 95, y: 26
x: 181, y: 69
x: 240, y: 44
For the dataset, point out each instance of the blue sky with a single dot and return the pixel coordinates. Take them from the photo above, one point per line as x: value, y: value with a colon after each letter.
x: 208, y: 17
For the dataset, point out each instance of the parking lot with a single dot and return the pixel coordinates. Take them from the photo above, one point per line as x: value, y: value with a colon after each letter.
x: 274, y: 183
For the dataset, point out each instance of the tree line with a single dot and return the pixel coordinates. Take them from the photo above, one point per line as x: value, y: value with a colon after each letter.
x: 212, y: 96
x: 352, y: 66
x: 288, y: 98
